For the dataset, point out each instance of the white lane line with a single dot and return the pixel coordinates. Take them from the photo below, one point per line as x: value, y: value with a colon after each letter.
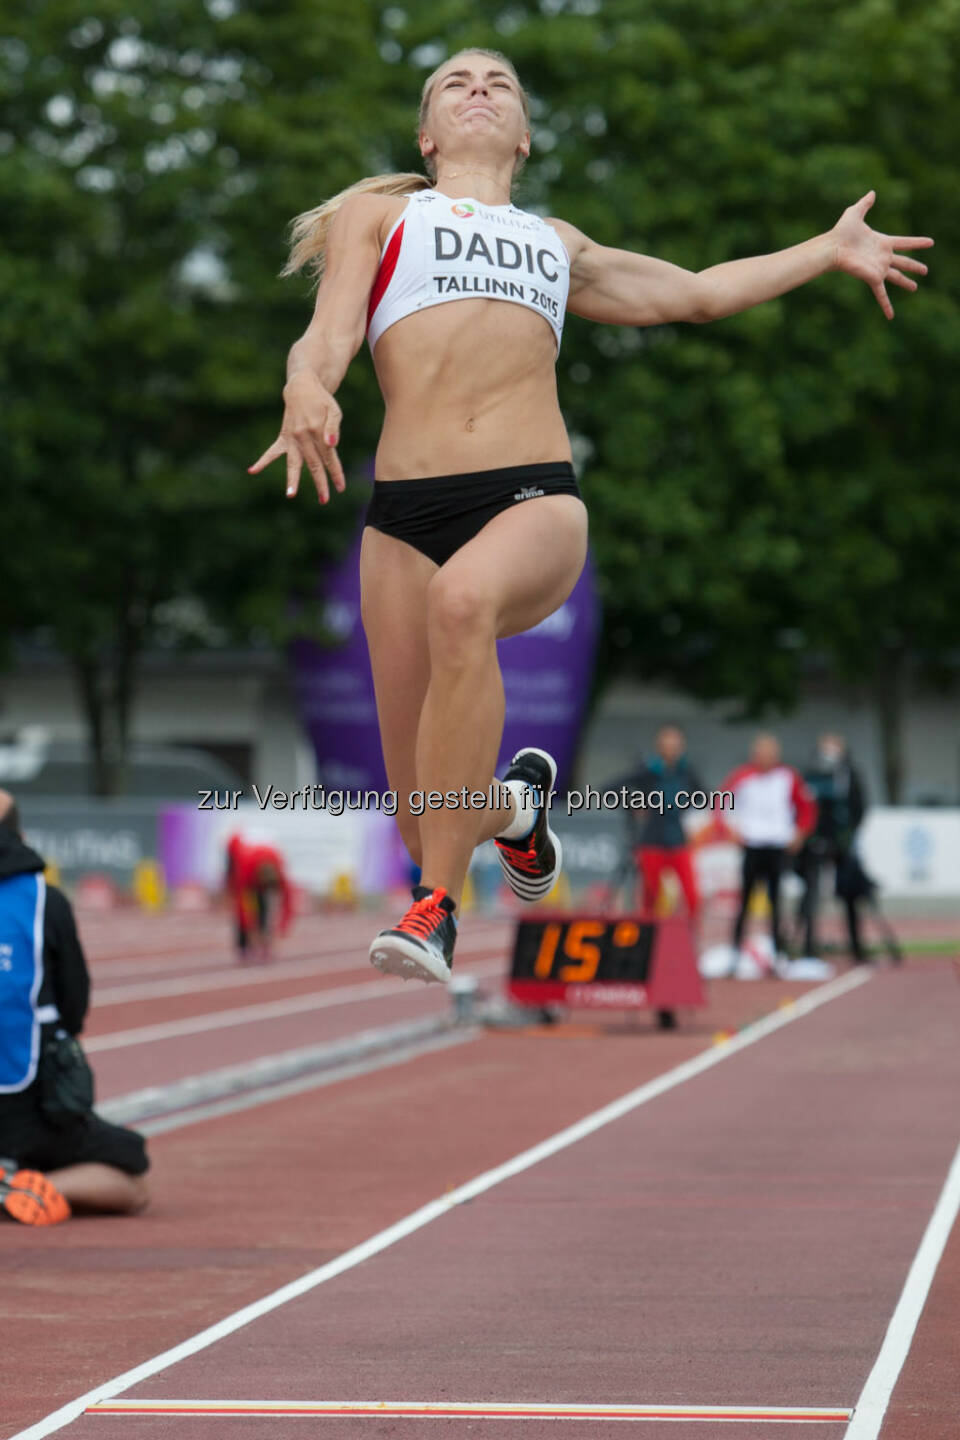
x: 872, y: 1406
x: 435, y: 1209
x: 270, y: 1010
x: 162, y: 965
x: 211, y: 959
x: 485, y: 1410
x: 226, y: 977
x: 221, y: 956
x: 238, y: 977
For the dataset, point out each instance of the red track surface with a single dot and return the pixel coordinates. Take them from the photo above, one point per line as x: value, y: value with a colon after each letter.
x: 742, y: 1239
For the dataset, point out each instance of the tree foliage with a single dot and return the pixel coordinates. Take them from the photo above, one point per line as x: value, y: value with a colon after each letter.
x: 777, y: 482
x: 152, y: 157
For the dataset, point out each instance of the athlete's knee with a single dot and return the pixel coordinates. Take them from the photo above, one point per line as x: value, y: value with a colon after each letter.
x: 459, y: 612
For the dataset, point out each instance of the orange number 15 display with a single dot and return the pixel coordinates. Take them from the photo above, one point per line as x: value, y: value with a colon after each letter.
x: 592, y: 960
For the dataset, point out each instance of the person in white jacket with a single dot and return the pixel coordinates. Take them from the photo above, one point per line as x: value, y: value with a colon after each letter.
x: 773, y: 813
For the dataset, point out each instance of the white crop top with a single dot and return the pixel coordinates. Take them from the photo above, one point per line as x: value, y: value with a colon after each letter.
x: 441, y: 249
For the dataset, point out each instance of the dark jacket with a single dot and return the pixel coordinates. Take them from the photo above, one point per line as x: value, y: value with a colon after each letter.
x: 648, y: 827
x: 838, y: 791
x: 66, y: 980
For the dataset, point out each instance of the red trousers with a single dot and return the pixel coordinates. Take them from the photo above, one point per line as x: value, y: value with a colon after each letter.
x: 652, y: 860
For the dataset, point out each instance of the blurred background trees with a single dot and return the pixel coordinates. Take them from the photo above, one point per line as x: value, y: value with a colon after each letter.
x: 772, y: 486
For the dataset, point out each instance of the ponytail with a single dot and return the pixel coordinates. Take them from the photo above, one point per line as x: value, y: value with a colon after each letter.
x: 309, y: 231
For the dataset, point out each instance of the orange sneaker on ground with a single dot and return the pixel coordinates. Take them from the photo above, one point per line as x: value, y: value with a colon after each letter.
x: 31, y: 1198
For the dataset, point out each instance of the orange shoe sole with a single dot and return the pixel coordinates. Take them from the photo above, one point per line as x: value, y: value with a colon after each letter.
x: 32, y: 1199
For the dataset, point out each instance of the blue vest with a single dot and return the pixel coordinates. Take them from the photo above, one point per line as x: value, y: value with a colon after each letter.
x: 22, y: 900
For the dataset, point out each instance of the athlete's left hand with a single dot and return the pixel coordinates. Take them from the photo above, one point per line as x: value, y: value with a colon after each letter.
x: 871, y: 256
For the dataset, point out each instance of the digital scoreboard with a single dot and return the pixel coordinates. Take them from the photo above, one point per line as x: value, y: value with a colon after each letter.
x: 619, y: 962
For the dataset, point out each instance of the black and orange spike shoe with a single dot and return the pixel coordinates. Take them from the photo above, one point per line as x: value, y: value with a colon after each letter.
x: 420, y: 947
x: 531, y: 866
x: 31, y: 1198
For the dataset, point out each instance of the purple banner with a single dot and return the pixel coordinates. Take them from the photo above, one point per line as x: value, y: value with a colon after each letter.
x: 546, y: 674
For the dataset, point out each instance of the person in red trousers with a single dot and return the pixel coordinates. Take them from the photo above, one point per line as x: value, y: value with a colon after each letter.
x: 660, y: 842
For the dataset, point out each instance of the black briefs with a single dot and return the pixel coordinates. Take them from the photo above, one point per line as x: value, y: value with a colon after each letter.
x: 439, y: 514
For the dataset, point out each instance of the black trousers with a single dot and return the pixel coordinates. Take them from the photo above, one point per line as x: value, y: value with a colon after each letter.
x: 761, y: 863
x: 811, y: 868
x: 32, y: 1143
x: 264, y: 899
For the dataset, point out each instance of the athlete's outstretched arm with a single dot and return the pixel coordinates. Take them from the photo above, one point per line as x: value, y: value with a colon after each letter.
x: 319, y: 360
x: 622, y: 288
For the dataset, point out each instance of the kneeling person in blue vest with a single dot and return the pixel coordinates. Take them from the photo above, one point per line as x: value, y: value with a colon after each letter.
x: 57, y: 1156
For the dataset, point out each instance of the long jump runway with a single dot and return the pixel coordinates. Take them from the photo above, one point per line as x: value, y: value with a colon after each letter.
x: 719, y: 1253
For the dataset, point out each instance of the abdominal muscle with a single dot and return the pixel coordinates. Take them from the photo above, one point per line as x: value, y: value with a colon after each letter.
x: 468, y: 385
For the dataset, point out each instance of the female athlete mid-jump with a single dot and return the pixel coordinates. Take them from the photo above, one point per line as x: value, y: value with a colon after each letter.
x: 476, y: 529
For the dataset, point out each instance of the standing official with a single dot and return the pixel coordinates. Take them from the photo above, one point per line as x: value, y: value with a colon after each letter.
x: 658, y: 838
x: 773, y: 813
x: 838, y: 790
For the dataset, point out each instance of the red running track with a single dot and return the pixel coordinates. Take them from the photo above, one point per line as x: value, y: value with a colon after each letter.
x: 742, y: 1239
x: 154, y: 1021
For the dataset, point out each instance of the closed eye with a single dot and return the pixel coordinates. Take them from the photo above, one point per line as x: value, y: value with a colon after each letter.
x: 455, y: 80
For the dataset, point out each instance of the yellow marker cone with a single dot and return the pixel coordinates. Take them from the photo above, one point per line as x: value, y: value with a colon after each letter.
x: 149, y: 885
x: 343, y: 891
x: 560, y: 894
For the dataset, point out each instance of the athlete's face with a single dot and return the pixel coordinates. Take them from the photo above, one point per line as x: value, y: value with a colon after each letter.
x: 475, y: 104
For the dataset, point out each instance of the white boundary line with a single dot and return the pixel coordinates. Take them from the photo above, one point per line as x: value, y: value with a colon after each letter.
x: 306, y: 966
x: 338, y: 932
x: 562, y: 1140
x: 872, y: 1406
x: 326, y: 999
x: 334, y: 959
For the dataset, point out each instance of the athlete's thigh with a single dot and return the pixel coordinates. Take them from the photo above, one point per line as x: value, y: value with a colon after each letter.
x: 526, y: 560
x: 393, y: 587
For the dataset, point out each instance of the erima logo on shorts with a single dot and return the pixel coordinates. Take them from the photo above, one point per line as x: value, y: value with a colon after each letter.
x: 462, y: 211
x: 527, y: 492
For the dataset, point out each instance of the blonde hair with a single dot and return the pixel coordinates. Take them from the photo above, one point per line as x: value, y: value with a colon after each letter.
x: 309, y: 231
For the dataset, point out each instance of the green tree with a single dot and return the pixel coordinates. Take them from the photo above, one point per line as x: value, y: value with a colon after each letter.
x: 150, y: 159
x: 763, y: 488
x: 780, y: 482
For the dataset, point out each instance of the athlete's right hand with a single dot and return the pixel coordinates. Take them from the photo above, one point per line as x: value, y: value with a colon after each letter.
x: 309, y: 435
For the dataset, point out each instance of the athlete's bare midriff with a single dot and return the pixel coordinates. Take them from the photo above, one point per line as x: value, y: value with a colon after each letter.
x: 468, y: 385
